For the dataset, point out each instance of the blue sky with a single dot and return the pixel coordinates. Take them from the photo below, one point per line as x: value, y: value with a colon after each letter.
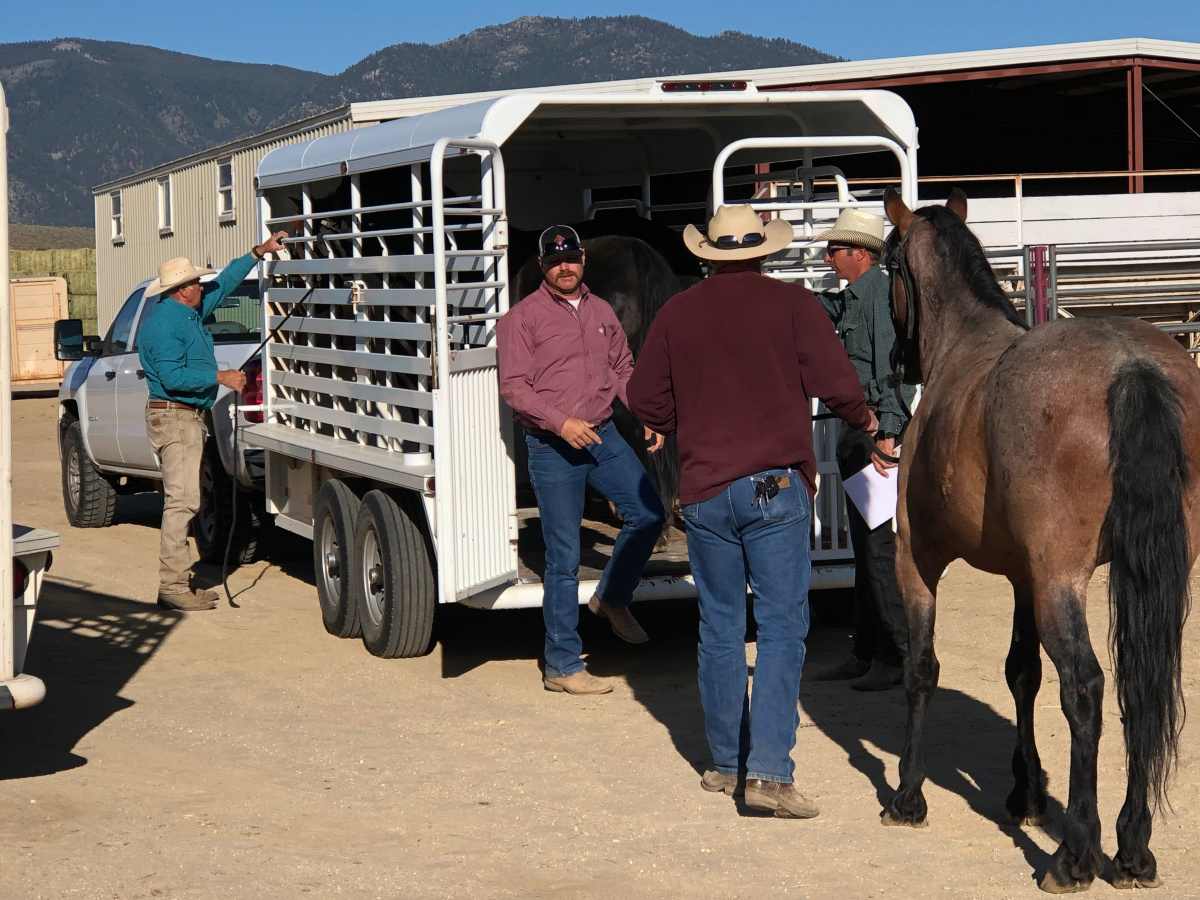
x: 329, y: 35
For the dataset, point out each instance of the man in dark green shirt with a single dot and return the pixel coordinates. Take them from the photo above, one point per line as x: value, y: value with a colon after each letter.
x: 862, y: 315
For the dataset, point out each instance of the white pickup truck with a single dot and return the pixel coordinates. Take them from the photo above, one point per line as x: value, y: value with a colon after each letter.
x: 102, y: 427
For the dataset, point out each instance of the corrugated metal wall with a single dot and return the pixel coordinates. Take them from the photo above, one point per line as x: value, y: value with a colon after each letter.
x: 196, y: 232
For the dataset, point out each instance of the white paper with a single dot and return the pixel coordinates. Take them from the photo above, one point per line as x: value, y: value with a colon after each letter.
x: 874, y: 495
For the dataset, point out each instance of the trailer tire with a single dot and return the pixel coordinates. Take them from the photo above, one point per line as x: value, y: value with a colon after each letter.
x: 89, y: 496
x: 395, y: 587
x: 212, y: 524
x: 335, y: 516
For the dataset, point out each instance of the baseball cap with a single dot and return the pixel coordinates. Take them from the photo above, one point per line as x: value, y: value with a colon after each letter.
x: 559, y: 242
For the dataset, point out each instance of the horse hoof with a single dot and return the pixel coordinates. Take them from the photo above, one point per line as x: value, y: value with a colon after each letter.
x: 1021, y: 821
x: 887, y: 819
x: 1051, y: 885
x: 1128, y: 882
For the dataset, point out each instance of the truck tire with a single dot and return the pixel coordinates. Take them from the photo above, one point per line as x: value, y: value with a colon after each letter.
x: 394, y: 582
x: 211, y: 526
x: 89, y: 496
x: 335, y: 515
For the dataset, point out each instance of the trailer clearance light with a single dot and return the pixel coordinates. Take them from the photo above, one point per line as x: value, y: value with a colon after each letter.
x: 252, y: 395
x: 693, y: 86
x: 20, y: 578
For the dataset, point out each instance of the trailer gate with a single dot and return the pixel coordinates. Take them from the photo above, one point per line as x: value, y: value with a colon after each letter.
x: 793, y: 196
x: 394, y: 353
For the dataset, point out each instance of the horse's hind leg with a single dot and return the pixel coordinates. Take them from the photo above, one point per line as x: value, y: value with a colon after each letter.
x: 1026, y: 804
x: 1062, y: 624
x: 919, y: 587
x: 1134, y: 865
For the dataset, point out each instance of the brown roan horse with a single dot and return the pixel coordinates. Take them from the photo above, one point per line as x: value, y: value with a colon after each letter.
x: 1039, y: 455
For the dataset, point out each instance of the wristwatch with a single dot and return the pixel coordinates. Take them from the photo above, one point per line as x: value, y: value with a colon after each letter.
x: 254, y: 252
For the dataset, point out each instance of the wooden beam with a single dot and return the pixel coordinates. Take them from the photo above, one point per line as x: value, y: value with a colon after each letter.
x: 886, y: 81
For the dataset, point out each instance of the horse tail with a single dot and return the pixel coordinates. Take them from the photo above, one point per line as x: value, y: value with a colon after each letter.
x: 1145, y: 535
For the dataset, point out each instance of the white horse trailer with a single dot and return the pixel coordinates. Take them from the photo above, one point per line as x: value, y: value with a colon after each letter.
x: 385, y: 437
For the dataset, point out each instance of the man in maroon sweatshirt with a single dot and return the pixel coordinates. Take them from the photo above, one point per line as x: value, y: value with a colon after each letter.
x: 563, y: 359
x: 730, y: 366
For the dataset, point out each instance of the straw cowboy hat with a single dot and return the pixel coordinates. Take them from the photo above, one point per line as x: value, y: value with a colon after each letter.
x: 172, y: 274
x: 736, y: 232
x: 856, y: 227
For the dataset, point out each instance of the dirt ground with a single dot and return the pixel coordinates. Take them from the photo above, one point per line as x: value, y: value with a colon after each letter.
x: 246, y: 753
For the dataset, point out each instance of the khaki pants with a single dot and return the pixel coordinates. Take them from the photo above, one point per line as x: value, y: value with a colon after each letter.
x: 177, y: 436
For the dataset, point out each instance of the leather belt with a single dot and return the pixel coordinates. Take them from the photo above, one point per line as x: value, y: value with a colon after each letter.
x: 170, y: 404
x: 541, y: 432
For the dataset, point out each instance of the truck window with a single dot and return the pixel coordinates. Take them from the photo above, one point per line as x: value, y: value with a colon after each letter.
x: 146, y: 311
x: 239, y: 318
x: 117, y: 340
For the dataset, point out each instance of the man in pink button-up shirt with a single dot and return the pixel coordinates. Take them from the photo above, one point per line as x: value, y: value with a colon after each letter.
x: 563, y: 358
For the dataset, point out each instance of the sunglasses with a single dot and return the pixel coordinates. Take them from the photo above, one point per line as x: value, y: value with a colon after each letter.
x: 731, y: 241
x: 832, y: 248
x: 566, y: 245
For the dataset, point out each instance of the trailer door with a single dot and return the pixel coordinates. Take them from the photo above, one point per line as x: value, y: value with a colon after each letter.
x: 475, y: 497
x: 811, y: 198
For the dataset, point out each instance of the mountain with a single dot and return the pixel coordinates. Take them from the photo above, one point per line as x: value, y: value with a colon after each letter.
x: 535, y: 50
x: 84, y: 112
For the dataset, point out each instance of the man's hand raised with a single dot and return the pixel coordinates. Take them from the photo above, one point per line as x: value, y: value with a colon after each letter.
x: 578, y: 433
x: 273, y: 244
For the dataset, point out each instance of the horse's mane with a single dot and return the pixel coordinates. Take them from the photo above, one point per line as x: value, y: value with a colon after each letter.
x: 965, y: 255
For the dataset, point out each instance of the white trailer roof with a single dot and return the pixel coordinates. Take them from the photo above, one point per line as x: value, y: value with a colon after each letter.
x: 718, y: 118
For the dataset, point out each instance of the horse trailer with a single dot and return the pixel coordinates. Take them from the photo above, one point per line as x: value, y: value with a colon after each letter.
x: 385, y: 439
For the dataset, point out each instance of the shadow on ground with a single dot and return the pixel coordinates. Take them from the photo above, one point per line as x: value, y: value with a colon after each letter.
x: 86, y: 647
x: 968, y: 749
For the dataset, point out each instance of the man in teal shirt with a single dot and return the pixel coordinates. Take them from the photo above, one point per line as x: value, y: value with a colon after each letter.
x: 862, y: 315
x: 176, y: 353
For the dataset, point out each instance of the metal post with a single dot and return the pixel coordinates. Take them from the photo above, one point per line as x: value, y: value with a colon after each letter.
x: 1019, y: 191
x: 1133, y: 97
x: 1039, y: 285
x: 1027, y: 274
x: 6, y: 515
x: 1052, y: 279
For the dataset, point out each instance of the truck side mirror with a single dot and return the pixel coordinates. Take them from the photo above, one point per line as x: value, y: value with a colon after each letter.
x: 70, y: 343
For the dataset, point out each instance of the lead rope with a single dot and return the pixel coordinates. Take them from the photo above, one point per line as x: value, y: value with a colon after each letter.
x: 910, y: 326
x: 297, y: 309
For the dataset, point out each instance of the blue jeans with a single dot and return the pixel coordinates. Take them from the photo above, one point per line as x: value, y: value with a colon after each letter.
x: 733, y: 539
x: 559, y: 474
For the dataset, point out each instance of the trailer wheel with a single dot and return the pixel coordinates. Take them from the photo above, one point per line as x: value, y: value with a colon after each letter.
x: 89, y: 496
x: 394, y: 582
x: 334, y: 518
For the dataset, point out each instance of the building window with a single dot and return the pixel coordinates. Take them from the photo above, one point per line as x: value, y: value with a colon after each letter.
x: 164, y: 206
x: 118, y: 229
x: 225, y: 210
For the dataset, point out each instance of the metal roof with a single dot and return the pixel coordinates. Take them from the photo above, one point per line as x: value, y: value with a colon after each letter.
x: 854, y: 70
x: 385, y: 110
x: 873, y: 113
